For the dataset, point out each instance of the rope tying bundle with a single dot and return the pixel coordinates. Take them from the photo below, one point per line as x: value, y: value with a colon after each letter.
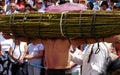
x: 80, y: 23
x: 93, y: 25
x: 23, y: 26
x: 61, y: 25
x: 39, y: 25
x: 11, y: 24
x: 37, y: 66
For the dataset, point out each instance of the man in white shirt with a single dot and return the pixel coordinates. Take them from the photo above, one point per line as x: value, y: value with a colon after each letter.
x: 75, y: 68
x: 94, y: 59
x: 12, y: 9
x: 34, y: 56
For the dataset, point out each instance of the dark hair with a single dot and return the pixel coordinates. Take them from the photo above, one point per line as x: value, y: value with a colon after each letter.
x: 63, y: 1
x: 91, y: 5
x: 104, y: 3
x: 20, y: 1
x: 28, y: 6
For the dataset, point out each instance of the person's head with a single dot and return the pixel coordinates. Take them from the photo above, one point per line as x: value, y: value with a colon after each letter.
x: 7, y: 35
x: 82, y: 2
x: 20, y: 38
x: 117, y: 6
x: 2, y: 2
x: 33, y: 10
x: 39, y: 4
x: 63, y: 2
x: 12, y: 6
x: 34, y: 40
x: 116, y: 44
x: 22, y: 1
x: 104, y: 5
x: 2, y: 10
x: 90, y: 5
x: 76, y: 1
x: 12, y: 1
x: 27, y: 8
x: 117, y: 38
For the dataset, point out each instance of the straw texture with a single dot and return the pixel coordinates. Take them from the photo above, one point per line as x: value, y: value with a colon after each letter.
x: 86, y: 24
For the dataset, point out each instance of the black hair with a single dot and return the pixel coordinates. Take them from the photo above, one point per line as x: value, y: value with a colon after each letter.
x: 104, y: 3
x: 63, y: 1
x: 91, y: 5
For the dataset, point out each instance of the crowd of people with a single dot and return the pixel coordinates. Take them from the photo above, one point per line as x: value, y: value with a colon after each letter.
x: 26, y: 6
x: 16, y: 54
x: 24, y: 56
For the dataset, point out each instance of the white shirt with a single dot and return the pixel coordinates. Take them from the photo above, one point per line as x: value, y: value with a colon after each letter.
x: 34, y: 49
x: 9, y: 12
x: 5, y: 43
x: 18, y: 50
x: 97, y: 61
x: 42, y: 9
x: 2, y: 38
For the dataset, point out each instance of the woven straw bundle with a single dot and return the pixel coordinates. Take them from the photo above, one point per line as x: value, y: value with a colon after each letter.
x: 86, y: 24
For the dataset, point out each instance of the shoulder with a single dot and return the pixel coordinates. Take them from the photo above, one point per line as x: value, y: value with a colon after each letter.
x: 30, y: 44
x: 8, y: 12
x: 23, y: 43
x: 40, y: 46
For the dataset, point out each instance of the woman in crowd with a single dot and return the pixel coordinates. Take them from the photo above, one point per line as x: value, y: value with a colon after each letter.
x: 21, y: 4
x: 34, y: 56
x: 5, y: 62
x: 17, y: 52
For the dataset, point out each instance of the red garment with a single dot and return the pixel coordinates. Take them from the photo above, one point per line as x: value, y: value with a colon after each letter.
x: 20, y: 6
x: 117, y: 48
x: 118, y: 54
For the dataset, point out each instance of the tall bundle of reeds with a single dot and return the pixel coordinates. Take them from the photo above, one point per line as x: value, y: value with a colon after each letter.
x: 86, y: 24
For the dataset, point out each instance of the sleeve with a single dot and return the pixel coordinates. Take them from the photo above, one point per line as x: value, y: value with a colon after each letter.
x: 41, y: 47
x: 76, y: 59
x: 10, y: 41
x: 29, y: 46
